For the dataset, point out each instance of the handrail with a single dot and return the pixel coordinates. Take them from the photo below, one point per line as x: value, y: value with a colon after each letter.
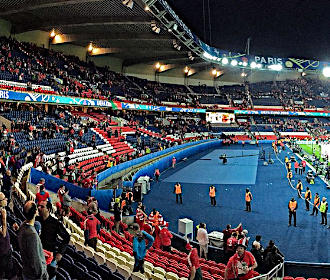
x: 279, y: 269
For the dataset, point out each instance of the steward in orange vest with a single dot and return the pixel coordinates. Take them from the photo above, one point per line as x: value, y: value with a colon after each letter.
x: 316, y: 204
x: 289, y: 175
x: 293, y: 205
x: 299, y: 188
x: 212, y: 192
x: 248, y: 198
x: 178, y: 192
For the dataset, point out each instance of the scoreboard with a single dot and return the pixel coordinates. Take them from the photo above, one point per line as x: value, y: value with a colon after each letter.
x: 216, y: 117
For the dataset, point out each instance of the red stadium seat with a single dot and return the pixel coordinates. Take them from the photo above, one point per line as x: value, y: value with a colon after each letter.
x: 288, y: 278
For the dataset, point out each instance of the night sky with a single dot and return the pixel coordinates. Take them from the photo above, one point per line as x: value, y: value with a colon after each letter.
x: 291, y: 28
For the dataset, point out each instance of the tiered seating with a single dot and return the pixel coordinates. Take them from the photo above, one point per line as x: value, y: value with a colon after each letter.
x: 121, y: 148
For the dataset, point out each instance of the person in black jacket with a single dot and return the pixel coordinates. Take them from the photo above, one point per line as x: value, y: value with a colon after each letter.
x: 51, y: 229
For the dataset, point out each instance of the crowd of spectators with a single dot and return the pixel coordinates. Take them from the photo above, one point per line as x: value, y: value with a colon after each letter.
x: 68, y: 75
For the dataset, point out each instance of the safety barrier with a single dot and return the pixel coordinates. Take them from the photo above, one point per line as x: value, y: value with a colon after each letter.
x: 166, y: 162
x: 128, y: 164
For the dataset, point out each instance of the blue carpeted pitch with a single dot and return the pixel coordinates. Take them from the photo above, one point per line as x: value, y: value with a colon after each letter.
x: 209, y: 169
x: 307, y: 242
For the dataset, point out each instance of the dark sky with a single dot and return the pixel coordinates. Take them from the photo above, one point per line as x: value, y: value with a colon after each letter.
x: 291, y: 28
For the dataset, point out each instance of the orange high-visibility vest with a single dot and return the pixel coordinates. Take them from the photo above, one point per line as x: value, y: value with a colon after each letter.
x: 299, y: 186
x: 178, y: 189
x: 292, y: 205
x: 289, y: 175
x: 308, y: 195
x: 212, y: 192
x: 248, y: 197
x: 317, y: 201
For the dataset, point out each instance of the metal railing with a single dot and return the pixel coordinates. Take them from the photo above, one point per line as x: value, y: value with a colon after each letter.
x: 277, y: 271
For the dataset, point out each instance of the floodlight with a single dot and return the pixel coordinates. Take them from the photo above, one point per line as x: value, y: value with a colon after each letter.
x: 154, y: 27
x: 276, y: 67
x: 244, y: 63
x: 234, y: 62
x: 90, y: 47
x: 146, y: 8
x: 52, y: 34
x: 186, y: 69
x: 214, y: 72
x: 253, y: 65
x: 157, y: 66
x: 259, y: 65
x: 162, y: 68
x: 225, y: 60
x: 128, y: 3
x: 326, y: 72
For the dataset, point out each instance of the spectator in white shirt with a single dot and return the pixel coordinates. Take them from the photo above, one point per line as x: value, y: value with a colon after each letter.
x: 203, y: 240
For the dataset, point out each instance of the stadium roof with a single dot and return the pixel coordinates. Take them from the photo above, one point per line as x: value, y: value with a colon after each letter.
x: 118, y: 30
x: 123, y: 32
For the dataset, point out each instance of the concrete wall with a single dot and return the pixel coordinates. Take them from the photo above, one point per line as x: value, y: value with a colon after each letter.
x: 5, y: 27
x: 114, y: 63
x: 70, y: 49
x: 38, y: 37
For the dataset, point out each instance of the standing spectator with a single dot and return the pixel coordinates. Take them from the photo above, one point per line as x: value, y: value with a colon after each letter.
x: 157, y: 174
x: 60, y: 193
x: 272, y: 259
x: 140, y: 249
x: 140, y: 215
x: 296, y: 166
x: 92, y: 228
x: 32, y: 254
x: 165, y: 238
x: 173, y: 162
x: 193, y: 263
x: 231, y: 245
x: 6, y: 261
x: 324, y: 210
x: 203, y: 240
x: 241, y: 265
x: 117, y: 215
x: 7, y: 184
x: 303, y: 163
x: 66, y: 200
x: 257, y: 253
x: 43, y: 195
x: 54, y: 237
x: 42, y: 182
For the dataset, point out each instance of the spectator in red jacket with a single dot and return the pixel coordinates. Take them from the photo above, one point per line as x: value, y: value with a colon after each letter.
x: 241, y: 265
x: 43, y: 195
x: 165, y: 238
x: 92, y: 228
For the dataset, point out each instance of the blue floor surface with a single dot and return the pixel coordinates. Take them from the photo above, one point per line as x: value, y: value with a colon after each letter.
x: 209, y: 169
x: 271, y: 192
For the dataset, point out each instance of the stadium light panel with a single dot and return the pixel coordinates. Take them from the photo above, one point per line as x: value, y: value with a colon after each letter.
x: 128, y: 3
x: 234, y: 62
x: 214, y: 72
x: 52, y: 34
x: 157, y: 66
x: 225, y: 60
x: 162, y: 68
x: 146, y: 8
x: 244, y: 63
x: 253, y: 65
x: 90, y: 47
x: 186, y: 69
x: 276, y: 67
x: 326, y: 72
